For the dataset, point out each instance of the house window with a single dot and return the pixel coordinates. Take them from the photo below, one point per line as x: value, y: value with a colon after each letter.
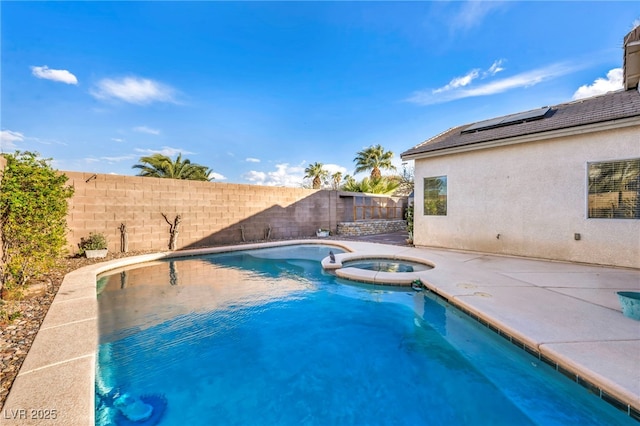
x: 614, y: 189
x: 435, y: 196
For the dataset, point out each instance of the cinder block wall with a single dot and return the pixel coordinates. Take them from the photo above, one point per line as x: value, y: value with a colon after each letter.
x: 3, y: 163
x: 212, y: 213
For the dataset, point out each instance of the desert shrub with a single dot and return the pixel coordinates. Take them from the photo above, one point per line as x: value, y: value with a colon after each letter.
x: 33, y: 211
x: 409, y: 217
x: 95, y: 241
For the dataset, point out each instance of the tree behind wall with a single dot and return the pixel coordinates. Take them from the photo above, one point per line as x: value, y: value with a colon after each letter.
x: 374, y: 158
x: 33, y: 211
x: 318, y: 173
x: 383, y: 185
x: 161, y: 166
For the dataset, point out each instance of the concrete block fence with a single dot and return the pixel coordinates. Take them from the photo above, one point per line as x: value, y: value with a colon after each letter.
x: 212, y: 213
x: 3, y: 163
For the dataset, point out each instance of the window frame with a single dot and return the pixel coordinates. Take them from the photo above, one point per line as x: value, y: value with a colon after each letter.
x: 588, y: 194
x: 425, y: 198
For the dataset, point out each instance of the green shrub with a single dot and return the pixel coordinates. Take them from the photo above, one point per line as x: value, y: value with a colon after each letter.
x: 9, y: 314
x: 33, y: 212
x: 409, y: 217
x: 95, y: 241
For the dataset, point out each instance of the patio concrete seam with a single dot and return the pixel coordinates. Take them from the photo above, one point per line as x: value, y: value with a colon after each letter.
x: 70, y: 323
x: 73, y: 300
x: 54, y: 364
x: 578, y: 298
x: 525, y: 283
x: 472, y: 259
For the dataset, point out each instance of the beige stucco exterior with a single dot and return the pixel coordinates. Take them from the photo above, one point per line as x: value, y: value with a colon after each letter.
x: 533, y: 195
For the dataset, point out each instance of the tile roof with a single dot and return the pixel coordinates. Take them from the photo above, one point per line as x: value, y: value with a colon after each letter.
x: 608, y: 107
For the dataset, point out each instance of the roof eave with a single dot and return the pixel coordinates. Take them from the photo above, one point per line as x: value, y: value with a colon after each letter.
x: 533, y: 137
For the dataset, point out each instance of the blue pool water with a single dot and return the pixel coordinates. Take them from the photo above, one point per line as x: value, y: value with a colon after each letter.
x: 386, y: 265
x: 266, y: 337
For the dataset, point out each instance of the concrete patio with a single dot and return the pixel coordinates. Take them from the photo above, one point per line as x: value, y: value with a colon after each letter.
x: 564, y: 313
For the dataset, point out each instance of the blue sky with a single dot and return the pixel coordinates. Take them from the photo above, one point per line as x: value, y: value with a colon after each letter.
x: 257, y: 90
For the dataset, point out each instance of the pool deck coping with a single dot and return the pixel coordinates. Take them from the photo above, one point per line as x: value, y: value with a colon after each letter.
x: 566, y: 314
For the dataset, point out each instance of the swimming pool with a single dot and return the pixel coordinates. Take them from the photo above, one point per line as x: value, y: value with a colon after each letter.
x: 267, y: 337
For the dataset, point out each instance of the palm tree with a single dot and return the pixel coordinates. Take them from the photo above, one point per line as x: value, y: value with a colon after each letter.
x: 350, y: 184
x: 371, y: 186
x: 161, y: 166
x: 374, y: 158
x: 337, y: 178
x: 317, y: 172
x: 348, y: 180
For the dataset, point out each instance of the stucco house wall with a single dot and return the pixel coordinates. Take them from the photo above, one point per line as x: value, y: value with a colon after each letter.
x: 530, y: 199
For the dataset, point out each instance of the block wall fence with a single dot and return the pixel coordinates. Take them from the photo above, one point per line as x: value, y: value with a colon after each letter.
x: 211, y: 213
x: 3, y: 163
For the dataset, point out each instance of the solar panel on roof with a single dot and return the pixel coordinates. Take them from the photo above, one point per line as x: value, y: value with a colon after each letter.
x: 536, y: 113
x: 521, y: 117
x: 483, y: 124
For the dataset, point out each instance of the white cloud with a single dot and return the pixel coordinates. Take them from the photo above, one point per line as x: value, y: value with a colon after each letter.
x: 62, y: 76
x: 166, y: 150
x: 467, y: 79
x: 494, y: 69
x: 134, y: 90
x: 525, y: 79
x: 601, y: 85
x: 287, y: 175
x: 284, y: 175
x: 118, y: 159
x: 147, y: 130
x: 252, y: 160
x: 117, y: 139
x: 217, y: 176
x: 9, y: 138
x: 255, y: 177
x: 456, y: 82
x: 473, y: 12
x: 334, y: 168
